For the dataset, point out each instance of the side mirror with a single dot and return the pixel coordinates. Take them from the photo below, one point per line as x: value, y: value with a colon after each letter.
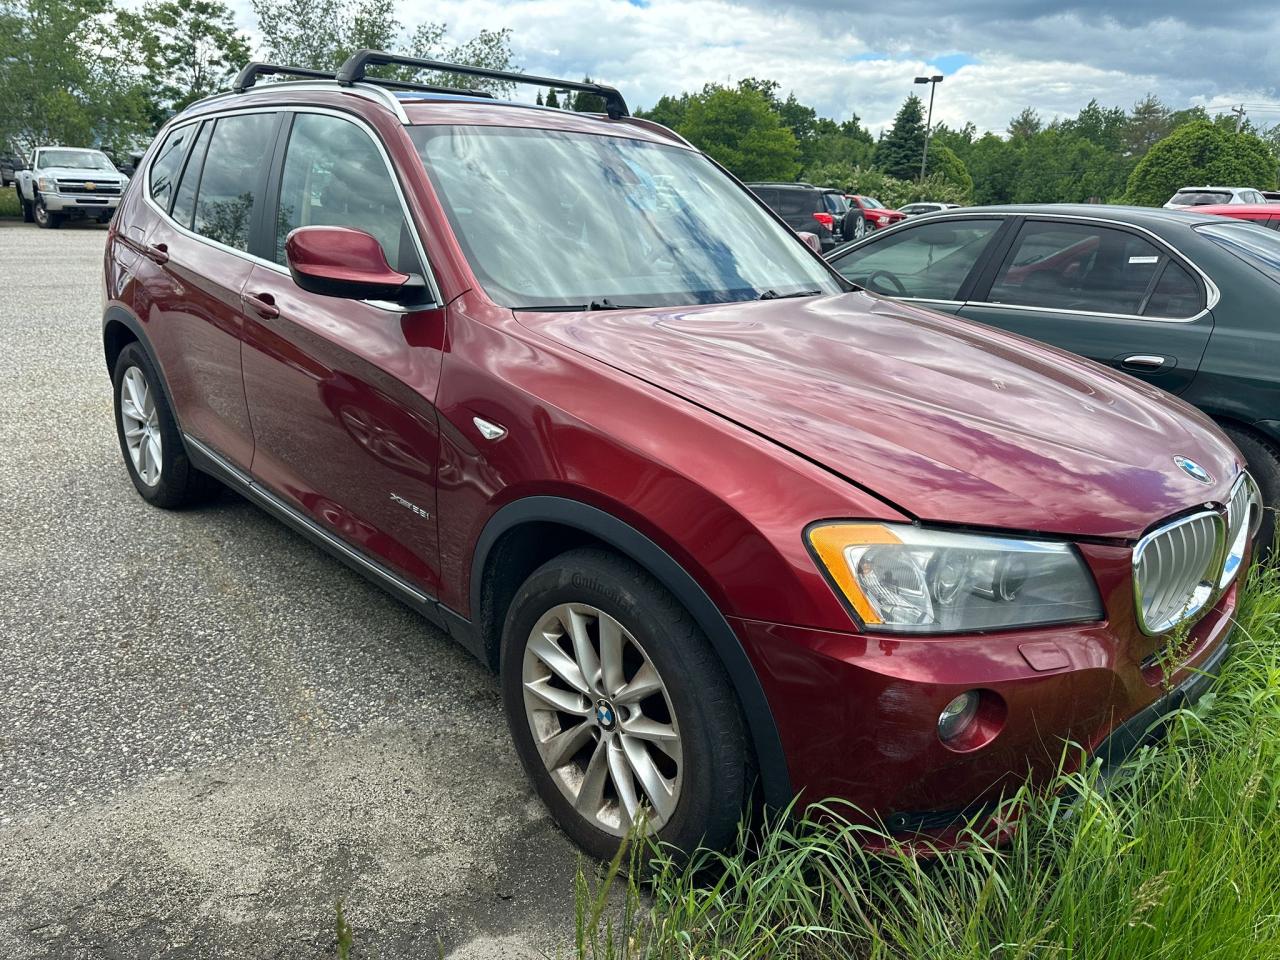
x: 342, y: 262
x: 811, y: 241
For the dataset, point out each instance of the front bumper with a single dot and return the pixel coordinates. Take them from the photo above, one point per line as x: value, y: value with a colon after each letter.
x: 80, y: 203
x: 857, y: 713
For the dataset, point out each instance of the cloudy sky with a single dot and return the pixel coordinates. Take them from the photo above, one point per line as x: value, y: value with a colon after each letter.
x: 844, y: 57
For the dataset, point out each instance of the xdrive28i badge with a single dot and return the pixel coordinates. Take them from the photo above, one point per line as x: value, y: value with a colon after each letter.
x: 1193, y: 469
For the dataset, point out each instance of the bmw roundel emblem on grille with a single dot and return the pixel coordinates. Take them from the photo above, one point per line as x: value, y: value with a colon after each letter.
x: 1193, y: 469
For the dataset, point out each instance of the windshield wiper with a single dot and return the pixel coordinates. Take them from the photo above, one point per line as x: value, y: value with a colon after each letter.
x: 775, y: 295
x: 604, y: 303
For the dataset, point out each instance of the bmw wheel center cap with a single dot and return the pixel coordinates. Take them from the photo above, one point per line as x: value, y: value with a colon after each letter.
x: 606, y: 715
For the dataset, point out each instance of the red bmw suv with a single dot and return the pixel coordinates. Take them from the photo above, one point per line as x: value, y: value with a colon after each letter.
x: 727, y: 526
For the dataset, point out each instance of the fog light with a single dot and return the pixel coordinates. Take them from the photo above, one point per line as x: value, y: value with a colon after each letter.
x: 957, y: 715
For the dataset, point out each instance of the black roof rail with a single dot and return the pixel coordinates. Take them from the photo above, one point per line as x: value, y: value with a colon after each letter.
x: 247, y: 77
x: 353, y: 71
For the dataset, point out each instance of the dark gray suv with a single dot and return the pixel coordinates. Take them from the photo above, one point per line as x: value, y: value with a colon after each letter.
x: 820, y: 210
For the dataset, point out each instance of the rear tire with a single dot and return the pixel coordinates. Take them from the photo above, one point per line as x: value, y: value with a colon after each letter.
x: 1263, y: 461
x: 688, y: 729
x: 150, y: 440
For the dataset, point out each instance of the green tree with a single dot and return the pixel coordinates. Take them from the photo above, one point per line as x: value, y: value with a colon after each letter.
x: 1148, y: 121
x: 668, y: 111
x: 68, y: 75
x: 993, y: 163
x: 322, y: 33
x: 552, y: 99
x: 947, y: 167
x: 1201, y: 152
x: 900, y: 150
x: 584, y: 102
x: 191, y: 49
x: 740, y: 129
x: 1025, y: 125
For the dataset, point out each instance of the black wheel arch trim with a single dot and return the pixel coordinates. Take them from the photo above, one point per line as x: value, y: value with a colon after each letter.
x: 118, y: 314
x: 775, y: 779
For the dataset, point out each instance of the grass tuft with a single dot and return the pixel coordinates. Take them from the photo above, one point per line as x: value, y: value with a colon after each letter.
x: 1175, y: 858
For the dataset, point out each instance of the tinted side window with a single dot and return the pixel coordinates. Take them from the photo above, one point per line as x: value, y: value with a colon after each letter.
x: 768, y: 197
x: 930, y: 260
x: 236, y: 156
x: 1176, y: 294
x: 796, y: 203
x: 334, y: 175
x: 1077, y: 266
x: 168, y: 163
x: 184, y: 204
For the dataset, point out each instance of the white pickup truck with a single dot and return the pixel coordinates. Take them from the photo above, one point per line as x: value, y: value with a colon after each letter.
x: 69, y: 182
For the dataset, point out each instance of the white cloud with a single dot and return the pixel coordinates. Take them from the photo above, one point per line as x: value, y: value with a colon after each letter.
x: 842, y: 58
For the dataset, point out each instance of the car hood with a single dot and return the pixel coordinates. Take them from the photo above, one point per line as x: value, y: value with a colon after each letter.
x: 73, y: 173
x: 947, y: 420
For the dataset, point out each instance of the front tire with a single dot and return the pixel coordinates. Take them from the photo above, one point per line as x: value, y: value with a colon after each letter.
x: 618, y: 703
x: 45, y: 218
x: 150, y: 440
x: 1263, y: 461
x: 28, y: 215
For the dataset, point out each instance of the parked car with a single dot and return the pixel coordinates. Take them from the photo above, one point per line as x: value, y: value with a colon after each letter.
x: 9, y: 167
x: 1262, y: 214
x: 717, y: 519
x: 809, y: 209
x: 1271, y: 196
x: 1182, y: 300
x: 923, y: 207
x: 875, y: 215
x: 69, y: 183
x: 1204, y: 196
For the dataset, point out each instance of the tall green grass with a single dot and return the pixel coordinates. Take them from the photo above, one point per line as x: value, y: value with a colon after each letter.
x: 1179, y: 858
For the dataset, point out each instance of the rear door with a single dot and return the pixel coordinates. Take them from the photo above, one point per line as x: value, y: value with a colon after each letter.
x: 195, y: 267
x: 341, y: 391
x: 1107, y: 291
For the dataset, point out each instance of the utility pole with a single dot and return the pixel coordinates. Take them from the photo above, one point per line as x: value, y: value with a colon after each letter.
x: 1239, y: 112
x: 928, y: 124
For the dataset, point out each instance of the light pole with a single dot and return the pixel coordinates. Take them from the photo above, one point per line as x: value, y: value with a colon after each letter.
x: 928, y: 124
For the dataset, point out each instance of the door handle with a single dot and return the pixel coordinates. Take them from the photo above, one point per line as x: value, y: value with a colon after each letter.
x: 1146, y: 361
x: 158, y: 252
x: 263, y: 304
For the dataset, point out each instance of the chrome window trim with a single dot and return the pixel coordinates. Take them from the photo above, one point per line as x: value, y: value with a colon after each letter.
x: 1212, y: 294
x: 433, y: 289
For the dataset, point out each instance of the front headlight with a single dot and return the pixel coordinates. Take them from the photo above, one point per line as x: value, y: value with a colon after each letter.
x: 908, y: 579
x: 47, y: 185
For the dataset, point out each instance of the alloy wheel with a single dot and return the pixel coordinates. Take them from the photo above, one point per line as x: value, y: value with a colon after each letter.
x: 859, y: 229
x: 602, y: 719
x: 141, y: 425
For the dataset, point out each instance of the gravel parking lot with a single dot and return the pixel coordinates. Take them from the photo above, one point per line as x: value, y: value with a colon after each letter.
x: 210, y: 731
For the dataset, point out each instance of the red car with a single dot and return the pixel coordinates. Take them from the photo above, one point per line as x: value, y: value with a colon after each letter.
x: 727, y: 527
x: 1263, y: 214
x: 875, y: 215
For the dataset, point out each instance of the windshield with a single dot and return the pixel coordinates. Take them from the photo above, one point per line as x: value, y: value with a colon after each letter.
x: 75, y: 159
x: 1256, y: 246
x: 1199, y: 198
x: 873, y: 203
x: 554, y: 219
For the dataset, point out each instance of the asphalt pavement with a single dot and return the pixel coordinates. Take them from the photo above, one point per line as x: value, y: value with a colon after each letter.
x: 210, y: 732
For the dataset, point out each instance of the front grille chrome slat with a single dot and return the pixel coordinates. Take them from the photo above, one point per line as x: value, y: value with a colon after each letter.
x: 1176, y: 570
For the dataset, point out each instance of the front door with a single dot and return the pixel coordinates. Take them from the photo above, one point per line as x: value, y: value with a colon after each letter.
x: 340, y: 391
x: 1104, y: 291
